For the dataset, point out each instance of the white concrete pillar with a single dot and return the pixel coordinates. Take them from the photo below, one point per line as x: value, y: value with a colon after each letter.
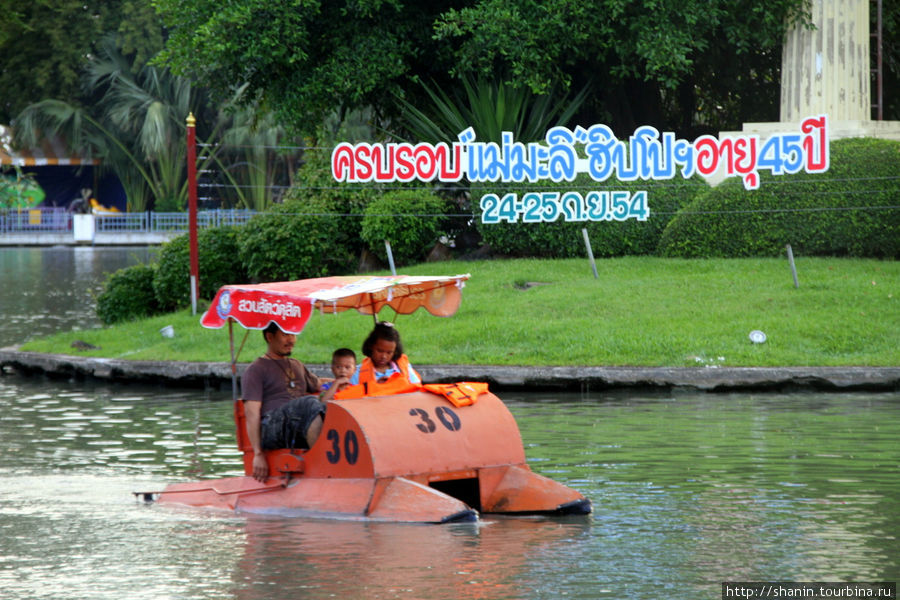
x: 83, y: 228
x: 827, y: 70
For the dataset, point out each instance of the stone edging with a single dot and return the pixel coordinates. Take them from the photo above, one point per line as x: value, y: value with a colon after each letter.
x: 502, y: 377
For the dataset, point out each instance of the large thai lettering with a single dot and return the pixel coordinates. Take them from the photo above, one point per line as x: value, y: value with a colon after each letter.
x: 815, y: 144
x: 561, y: 155
x: 386, y: 163
x: 564, y: 154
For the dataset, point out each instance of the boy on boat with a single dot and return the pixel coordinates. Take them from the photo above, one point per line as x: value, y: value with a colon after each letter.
x: 343, y: 366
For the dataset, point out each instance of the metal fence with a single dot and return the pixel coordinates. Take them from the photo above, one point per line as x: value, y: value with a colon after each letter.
x: 35, y: 220
x: 56, y: 220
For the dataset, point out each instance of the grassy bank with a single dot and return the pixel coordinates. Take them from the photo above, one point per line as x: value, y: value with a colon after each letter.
x: 641, y: 311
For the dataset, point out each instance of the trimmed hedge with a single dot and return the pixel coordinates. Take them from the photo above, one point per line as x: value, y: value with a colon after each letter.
x: 296, y: 240
x: 563, y: 239
x: 837, y: 213
x: 127, y: 295
x: 218, y: 263
x: 315, y: 184
x: 410, y: 236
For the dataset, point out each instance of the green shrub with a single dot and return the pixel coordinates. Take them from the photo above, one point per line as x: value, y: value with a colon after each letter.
x: 315, y: 184
x: 410, y: 235
x: 298, y: 239
x: 127, y: 295
x: 218, y: 262
x: 837, y: 213
x: 563, y: 239
x: 315, y: 232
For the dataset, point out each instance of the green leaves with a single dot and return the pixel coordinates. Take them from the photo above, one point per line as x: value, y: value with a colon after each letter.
x: 217, y: 261
x: 410, y: 220
x: 490, y: 107
x: 848, y: 211
x: 309, y: 58
x: 128, y: 295
x: 295, y: 240
x: 304, y: 57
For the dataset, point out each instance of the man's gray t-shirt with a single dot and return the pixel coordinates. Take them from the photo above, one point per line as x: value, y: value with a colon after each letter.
x: 269, y: 381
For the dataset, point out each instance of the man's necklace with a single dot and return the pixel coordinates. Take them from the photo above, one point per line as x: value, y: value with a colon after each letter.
x: 288, y: 376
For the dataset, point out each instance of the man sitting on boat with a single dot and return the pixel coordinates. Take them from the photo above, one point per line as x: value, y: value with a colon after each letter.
x: 281, y: 401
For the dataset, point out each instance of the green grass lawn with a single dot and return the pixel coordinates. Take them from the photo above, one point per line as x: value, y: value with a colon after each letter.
x: 641, y: 311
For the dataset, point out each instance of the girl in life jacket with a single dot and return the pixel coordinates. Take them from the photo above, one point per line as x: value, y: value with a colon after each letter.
x: 384, y: 360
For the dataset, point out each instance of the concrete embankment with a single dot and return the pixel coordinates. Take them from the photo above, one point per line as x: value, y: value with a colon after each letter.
x: 50, y: 238
x: 712, y: 379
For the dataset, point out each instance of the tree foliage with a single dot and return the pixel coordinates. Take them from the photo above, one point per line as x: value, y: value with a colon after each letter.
x: 647, y: 57
x: 650, y: 61
x: 305, y: 56
x: 890, y: 51
x: 136, y: 124
x: 45, y: 45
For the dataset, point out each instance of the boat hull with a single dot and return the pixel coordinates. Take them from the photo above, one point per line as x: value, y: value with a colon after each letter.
x: 402, y: 458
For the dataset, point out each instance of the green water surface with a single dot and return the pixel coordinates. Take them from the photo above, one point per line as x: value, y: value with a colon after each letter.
x: 689, y: 490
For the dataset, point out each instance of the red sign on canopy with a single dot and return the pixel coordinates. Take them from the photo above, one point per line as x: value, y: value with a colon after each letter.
x: 290, y: 304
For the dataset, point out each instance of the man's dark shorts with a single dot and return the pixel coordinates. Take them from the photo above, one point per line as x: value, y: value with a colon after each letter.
x: 285, y: 427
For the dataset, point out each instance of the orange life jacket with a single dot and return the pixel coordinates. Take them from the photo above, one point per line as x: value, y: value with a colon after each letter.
x: 397, y: 383
x: 463, y: 393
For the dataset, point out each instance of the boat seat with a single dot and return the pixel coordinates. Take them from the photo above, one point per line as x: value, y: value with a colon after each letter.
x: 283, y: 460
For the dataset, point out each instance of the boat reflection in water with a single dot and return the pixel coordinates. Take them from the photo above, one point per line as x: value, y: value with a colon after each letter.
x: 490, y: 559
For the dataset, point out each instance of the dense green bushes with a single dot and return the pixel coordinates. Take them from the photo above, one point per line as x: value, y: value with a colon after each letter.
x: 838, y: 213
x: 128, y: 294
x: 315, y: 185
x: 296, y: 240
x: 142, y: 290
x: 412, y: 234
x: 563, y: 239
x: 218, y: 262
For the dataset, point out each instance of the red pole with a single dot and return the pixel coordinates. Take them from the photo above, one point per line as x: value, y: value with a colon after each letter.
x: 192, y: 208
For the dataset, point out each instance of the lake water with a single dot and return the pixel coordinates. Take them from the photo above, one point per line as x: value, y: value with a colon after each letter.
x: 689, y: 490
x: 45, y: 290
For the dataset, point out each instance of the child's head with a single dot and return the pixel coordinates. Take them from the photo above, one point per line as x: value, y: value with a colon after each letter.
x: 383, y: 344
x: 343, y: 362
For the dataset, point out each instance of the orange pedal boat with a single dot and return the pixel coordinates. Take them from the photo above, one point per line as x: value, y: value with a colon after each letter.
x: 409, y: 457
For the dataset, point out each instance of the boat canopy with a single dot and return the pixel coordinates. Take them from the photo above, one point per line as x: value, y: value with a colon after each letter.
x: 290, y: 304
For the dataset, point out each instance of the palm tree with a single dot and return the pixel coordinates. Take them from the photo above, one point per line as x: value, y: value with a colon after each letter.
x: 137, y: 125
x: 258, y: 141
x: 489, y: 107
